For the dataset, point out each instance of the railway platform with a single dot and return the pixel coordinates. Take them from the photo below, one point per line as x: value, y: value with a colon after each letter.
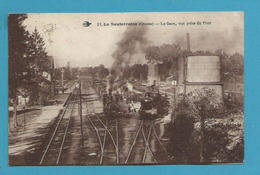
x: 24, y: 141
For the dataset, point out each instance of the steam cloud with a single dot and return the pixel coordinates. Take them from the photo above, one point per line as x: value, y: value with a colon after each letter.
x: 132, y: 43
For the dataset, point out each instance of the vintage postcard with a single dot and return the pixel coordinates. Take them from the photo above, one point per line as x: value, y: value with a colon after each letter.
x: 126, y: 88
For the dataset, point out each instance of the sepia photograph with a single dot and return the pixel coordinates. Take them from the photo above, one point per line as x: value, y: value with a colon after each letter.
x: 126, y: 88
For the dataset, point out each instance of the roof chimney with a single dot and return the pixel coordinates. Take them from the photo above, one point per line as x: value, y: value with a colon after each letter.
x: 188, y: 42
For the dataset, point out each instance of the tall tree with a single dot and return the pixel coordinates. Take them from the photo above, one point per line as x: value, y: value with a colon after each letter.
x: 38, y: 53
x: 231, y: 65
x: 163, y: 53
x: 102, y: 71
x: 40, y: 64
x: 19, y: 70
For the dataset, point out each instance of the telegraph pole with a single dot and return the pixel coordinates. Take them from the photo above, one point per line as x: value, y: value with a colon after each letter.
x: 62, y: 71
x: 174, y: 84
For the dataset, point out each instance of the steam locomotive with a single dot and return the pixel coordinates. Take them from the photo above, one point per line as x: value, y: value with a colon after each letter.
x: 152, y: 103
x: 109, y: 100
x: 147, y: 108
x: 149, y: 105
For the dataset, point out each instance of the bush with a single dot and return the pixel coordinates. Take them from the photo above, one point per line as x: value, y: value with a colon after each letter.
x: 186, y: 127
x: 181, y: 139
x: 216, y: 140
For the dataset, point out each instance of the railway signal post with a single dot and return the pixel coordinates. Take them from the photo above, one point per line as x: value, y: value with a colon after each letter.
x: 80, y: 114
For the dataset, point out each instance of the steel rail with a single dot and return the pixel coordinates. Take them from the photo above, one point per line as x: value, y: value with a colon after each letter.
x: 99, y: 138
x: 133, y: 144
x: 115, y: 143
x: 55, y: 131
x: 100, y: 142
x: 104, y: 142
x: 147, y: 142
x: 113, y: 140
x: 106, y: 128
x: 66, y: 131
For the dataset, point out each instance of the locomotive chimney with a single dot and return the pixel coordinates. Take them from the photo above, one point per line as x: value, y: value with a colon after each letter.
x: 188, y: 42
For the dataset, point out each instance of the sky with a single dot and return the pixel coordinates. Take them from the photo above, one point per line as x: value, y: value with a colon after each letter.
x: 67, y: 40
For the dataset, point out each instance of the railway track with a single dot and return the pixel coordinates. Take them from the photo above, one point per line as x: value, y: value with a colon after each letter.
x: 146, y: 139
x: 150, y: 133
x: 98, y: 124
x: 114, y: 140
x: 101, y: 144
x: 53, y: 151
x: 134, y: 141
x: 107, y: 133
